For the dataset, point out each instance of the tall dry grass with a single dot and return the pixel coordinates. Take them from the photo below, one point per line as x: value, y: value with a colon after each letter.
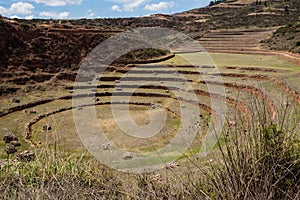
x: 257, y: 162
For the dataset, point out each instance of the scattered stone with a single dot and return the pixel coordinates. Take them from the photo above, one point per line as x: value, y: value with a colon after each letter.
x: 172, y: 165
x: 8, y: 137
x: 231, y: 123
x: 3, y: 163
x: 106, y: 146
x: 32, y: 112
x: 119, y: 89
x: 154, y: 106
x: 15, y: 143
x: 14, y: 100
x: 156, y: 177
x: 127, y: 156
x: 10, y: 149
x: 25, y: 156
x: 46, y: 128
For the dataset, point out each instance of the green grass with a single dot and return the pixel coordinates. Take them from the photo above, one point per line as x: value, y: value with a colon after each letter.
x: 227, y: 59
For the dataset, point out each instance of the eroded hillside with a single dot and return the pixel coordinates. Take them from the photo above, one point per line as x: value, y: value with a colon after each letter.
x: 36, y: 51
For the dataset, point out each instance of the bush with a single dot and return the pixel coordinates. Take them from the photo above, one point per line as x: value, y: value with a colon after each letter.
x: 261, y: 163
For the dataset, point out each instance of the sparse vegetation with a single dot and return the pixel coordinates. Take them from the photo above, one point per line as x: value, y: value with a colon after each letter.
x: 285, y: 38
x: 262, y: 162
x: 257, y: 154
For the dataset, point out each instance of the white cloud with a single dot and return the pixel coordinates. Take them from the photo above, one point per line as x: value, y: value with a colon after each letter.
x: 21, y: 8
x: 116, y: 8
x: 54, y: 15
x: 18, y: 8
x: 14, y: 17
x: 127, y: 5
x: 159, y: 6
x: 132, y: 5
x: 3, y: 10
x: 90, y: 13
x: 29, y: 17
x: 59, y: 2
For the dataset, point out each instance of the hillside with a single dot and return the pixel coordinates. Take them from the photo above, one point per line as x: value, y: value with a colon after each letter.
x: 215, y: 118
x: 44, y: 50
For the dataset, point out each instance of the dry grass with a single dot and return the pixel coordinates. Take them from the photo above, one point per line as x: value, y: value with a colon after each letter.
x: 262, y: 162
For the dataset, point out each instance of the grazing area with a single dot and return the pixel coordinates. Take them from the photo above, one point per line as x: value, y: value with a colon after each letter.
x: 247, y: 70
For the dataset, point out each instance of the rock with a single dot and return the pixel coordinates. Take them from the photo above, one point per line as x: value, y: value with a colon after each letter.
x: 156, y: 177
x: 15, y: 143
x: 95, y: 99
x: 32, y: 112
x: 106, y: 146
x: 47, y: 128
x: 154, y: 106
x: 14, y: 100
x: 127, y: 156
x: 8, y: 137
x: 10, y: 149
x: 25, y: 156
x: 3, y: 163
x: 172, y: 165
x: 231, y: 123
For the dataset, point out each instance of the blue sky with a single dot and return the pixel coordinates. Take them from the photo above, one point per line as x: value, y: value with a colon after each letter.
x: 72, y: 9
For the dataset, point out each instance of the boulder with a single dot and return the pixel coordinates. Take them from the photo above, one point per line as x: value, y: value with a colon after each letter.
x: 32, y: 112
x: 46, y: 128
x: 25, y: 156
x: 10, y: 149
x: 127, y: 156
x: 14, y: 100
x: 15, y: 143
x: 8, y: 137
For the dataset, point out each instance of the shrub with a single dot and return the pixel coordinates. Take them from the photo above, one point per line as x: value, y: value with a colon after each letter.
x: 261, y: 163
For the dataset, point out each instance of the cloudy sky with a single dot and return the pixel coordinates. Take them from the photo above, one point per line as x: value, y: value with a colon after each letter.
x: 61, y: 9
